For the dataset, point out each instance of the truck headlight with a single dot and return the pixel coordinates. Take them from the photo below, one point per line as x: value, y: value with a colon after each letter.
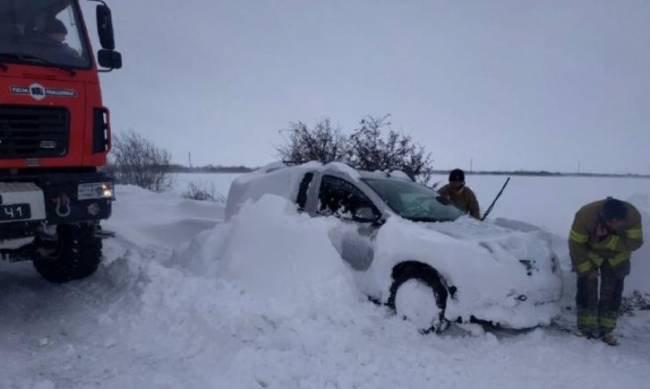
x: 95, y: 190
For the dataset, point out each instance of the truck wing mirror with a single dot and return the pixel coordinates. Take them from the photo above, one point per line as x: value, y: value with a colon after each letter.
x: 110, y: 59
x: 105, y: 27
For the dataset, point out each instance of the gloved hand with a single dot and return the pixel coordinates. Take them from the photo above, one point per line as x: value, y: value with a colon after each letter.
x: 601, y: 232
x: 595, y: 259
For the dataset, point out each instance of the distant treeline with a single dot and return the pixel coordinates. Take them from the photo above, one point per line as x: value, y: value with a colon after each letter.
x: 176, y: 168
x: 543, y: 173
x: 211, y: 169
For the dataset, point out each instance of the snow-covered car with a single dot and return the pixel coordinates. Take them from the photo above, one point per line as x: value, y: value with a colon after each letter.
x: 410, y: 250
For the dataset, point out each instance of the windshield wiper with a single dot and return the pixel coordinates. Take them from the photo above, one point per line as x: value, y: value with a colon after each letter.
x: 424, y: 219
x: 34, y: 59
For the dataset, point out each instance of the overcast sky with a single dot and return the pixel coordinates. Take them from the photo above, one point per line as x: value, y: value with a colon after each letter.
x: 547, y: 85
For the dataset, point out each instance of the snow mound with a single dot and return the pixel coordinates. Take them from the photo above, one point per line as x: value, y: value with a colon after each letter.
x: 271, y: 251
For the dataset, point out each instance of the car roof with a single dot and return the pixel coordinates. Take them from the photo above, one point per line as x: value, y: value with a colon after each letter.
x: 283, y: 180
x: 338, y: 167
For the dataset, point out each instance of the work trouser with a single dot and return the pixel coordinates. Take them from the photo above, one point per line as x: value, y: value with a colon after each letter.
x: 598, y: 315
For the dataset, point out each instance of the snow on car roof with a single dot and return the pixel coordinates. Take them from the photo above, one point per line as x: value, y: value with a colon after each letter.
x: 395, y: 174
x: 283, y: 180
x: 319, y: 167
x: 277, y: 178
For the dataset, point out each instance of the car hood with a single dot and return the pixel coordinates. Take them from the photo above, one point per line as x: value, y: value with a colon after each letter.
x: 513, y: 242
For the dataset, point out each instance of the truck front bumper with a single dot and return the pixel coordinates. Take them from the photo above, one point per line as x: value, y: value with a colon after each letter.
x: 27, y: 203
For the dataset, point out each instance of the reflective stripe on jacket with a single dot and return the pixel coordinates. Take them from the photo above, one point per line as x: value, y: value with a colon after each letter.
x: 588, y: 253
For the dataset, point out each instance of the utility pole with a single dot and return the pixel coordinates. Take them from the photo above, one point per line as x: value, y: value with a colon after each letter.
x: 189, y: 160
x: 471, y: 164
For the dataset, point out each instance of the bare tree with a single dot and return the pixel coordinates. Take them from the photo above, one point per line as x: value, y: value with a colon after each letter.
x: 321, y: 143
x: 369, y: 149
x: 137, y: 161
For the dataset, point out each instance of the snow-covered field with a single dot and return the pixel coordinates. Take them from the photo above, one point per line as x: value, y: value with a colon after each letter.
x: 185, y: 301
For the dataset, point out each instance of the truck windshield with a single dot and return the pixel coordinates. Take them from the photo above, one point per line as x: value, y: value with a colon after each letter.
x: 413, y: 201
x: 45, y: 32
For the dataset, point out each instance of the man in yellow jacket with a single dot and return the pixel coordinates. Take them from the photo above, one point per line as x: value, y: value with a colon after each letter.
x: 603, y: 235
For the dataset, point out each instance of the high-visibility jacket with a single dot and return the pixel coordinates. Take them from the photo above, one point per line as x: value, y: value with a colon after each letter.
x: 463, y: 198
x: 588, y: 252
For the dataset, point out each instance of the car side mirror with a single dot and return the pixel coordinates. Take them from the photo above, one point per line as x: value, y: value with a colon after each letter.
x: 110, y: 59
x: 105, y: 27
x: 365, y: 215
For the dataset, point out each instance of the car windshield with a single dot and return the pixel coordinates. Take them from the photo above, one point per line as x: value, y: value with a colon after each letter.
x: 413, y: 201
x: 45, y: 32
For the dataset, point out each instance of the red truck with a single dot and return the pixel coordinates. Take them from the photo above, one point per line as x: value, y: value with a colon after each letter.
x: 54, y: 136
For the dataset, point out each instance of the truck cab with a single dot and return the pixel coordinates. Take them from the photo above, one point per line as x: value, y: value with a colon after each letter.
x: 54, y: 136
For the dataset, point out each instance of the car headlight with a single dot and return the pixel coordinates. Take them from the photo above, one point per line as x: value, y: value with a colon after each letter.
x: 95, y: 190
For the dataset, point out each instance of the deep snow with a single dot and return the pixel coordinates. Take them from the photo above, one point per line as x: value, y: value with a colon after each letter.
x: 163, y: 312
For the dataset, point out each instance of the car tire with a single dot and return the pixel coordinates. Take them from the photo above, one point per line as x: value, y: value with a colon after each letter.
x: 418, y: 295
x: 75, y: 254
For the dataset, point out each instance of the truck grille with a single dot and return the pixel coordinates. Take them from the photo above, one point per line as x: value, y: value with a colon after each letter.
x: 33, y: 132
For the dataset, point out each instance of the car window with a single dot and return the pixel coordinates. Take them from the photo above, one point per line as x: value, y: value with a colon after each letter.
x: 302, y: 191
x: 413, y: 201
x: 340, y: 198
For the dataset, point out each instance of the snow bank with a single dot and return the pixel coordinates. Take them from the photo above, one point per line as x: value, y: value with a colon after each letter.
x: 272, y: 252
x: 200, y: 321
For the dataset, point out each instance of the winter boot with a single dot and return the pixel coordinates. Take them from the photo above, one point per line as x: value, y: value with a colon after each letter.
x: 609, y: 339
x: 587, y: 334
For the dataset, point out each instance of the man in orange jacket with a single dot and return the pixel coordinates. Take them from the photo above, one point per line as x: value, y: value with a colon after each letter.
x: 460, y: 195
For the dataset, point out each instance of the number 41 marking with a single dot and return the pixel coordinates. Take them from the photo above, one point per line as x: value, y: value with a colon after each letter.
x: 14, y: 212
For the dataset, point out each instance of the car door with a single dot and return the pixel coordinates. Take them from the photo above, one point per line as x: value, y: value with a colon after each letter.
x: 359, y: 219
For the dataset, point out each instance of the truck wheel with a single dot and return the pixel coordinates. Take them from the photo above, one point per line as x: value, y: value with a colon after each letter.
x: 74, y: 255
x: 417, y: 295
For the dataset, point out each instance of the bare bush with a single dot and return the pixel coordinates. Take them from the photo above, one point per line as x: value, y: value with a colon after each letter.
x: 201, y: 192
x: 322, y: 143
x: 137, y: 161
x: 375, y: 146
x: 372, y: 146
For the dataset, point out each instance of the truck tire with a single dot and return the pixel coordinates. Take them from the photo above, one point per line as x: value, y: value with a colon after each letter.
x: 420, y: 284
x: 76, y: 254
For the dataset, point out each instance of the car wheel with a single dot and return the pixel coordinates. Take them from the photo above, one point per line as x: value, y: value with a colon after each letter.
x: 417, y: 295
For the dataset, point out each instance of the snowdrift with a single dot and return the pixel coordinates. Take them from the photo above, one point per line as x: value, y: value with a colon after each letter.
x: 171, y: 307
